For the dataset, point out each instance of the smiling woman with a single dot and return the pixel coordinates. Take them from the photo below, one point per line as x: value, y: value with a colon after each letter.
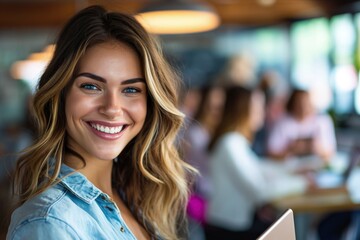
x: 104, y: 165
x: 108, y: 95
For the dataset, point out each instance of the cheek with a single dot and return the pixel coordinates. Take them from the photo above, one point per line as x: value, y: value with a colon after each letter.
x: 77, y: 102
x: 71, y: 102
x: 77, y: 106
x: 138, y: 109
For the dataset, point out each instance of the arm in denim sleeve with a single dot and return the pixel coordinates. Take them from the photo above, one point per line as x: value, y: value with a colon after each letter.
x: 43, y: 229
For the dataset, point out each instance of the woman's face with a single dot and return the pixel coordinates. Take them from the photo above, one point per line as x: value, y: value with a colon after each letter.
x: 215, y: 102
x: 106, y: 104
x: 302, y: 106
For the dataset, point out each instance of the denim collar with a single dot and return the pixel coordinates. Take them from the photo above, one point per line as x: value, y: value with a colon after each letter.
x: 82, y: 188
x: 78, y: 184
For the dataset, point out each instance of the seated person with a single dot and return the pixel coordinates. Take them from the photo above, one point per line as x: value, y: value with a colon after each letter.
x: 197, y: 136
x: 302, y: 131
x: 199, y: 133
x: 238, y: 206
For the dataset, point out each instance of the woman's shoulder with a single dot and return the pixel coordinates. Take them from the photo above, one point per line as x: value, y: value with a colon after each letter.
x: 43, y: 217
x: 229, y: 142
x: 41, y: 204
x: 49, y: 206
x: 232, y: 138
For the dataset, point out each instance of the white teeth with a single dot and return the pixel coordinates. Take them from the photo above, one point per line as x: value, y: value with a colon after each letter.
x: 105, y: 129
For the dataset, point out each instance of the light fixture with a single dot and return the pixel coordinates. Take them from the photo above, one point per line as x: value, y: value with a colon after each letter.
x: 178, y: 17
x: 266, y: 3
x: 30, y: 70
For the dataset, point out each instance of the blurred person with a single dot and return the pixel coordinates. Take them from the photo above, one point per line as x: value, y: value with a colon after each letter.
x: 239, y: 70
x: 190, y: 102
x: 195, y: 146
x: 104, y: 164
x: 273, y: 87
x: 302, y: 131
x: 242, y: 189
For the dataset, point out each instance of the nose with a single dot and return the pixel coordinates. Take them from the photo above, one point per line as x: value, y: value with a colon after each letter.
x: 111, y: 105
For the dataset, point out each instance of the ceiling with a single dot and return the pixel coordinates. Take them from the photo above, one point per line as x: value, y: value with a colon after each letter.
x: 16, y: 14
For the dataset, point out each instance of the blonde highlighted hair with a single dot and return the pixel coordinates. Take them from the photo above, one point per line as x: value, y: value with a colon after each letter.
x: 149, y: 171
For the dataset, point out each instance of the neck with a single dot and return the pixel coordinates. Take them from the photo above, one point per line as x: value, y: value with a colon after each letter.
x: 98, y: 172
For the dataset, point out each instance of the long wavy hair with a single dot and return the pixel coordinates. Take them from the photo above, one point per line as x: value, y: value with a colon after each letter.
x: 149, y: 171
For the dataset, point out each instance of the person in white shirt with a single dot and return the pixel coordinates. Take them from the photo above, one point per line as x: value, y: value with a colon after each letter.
x: 302, y: 131
x: 240, y: 184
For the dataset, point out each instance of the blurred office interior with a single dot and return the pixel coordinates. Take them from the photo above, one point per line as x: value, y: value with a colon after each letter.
x: 310, y: 44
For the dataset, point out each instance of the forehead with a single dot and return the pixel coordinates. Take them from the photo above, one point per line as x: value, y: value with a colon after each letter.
x: 111, y: 48
x: 111, y: 57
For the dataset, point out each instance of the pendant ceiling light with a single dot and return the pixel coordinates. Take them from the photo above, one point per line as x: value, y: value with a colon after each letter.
x: 32, y: 68
x: 178, y: 17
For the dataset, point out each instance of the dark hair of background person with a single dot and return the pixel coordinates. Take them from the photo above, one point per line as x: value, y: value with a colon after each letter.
x: 235, y: 113
x: 294, y: 96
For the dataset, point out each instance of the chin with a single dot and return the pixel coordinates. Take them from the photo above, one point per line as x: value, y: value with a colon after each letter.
x: 108, y: 153
x: 107, y: 157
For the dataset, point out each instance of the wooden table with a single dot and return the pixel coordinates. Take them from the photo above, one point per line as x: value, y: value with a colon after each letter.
x: 313, y: 204
x: 309, y: 207
x: 318, y: 201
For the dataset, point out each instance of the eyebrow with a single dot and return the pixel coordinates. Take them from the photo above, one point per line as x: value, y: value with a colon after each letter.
x: 101, y: 79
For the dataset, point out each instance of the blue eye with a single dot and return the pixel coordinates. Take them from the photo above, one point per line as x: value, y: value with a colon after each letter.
x: 131, y: 90
x: 88, y: 86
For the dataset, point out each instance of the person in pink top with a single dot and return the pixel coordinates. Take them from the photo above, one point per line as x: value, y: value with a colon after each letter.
x: 302, y: 131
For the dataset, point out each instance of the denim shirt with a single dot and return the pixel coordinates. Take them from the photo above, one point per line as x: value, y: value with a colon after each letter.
x: 71, y: 209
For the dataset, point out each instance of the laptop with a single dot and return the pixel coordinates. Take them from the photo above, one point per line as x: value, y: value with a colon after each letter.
x: 283, y: 228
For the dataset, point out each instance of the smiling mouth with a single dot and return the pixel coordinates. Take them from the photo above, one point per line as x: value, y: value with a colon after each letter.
x: 108, y: 130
